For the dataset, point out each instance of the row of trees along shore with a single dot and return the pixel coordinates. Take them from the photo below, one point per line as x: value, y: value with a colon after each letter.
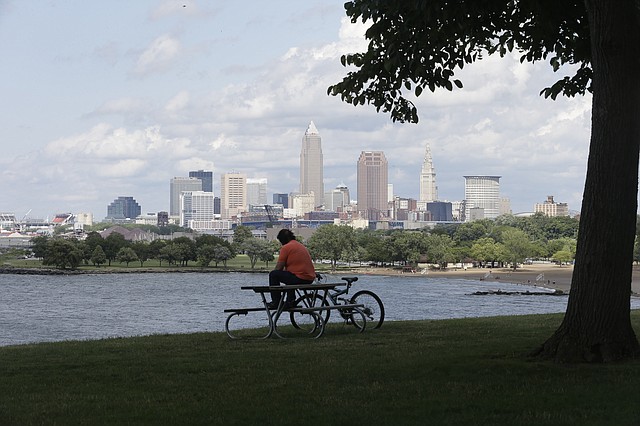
x: 203, y: 250
x: 506, y: 240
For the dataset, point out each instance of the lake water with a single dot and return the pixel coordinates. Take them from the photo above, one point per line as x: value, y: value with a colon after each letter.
x: 36, y: 308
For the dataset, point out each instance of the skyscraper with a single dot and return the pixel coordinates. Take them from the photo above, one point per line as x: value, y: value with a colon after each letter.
x: 206, y: 177
x: 195, y: 206
x: 482, y: 192
x: 176, y: 186
x: 256, y: 191
x: 233, y: 194
x: 372, y: 184
x: 311, y: 165
x: 123, y: 208
x: 428, y: 188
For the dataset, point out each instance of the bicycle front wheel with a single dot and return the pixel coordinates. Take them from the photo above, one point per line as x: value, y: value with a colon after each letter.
x: 373, y: 308
x: 308, y: 301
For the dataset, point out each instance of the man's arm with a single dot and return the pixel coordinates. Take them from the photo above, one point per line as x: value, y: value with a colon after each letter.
x: 280, y: 266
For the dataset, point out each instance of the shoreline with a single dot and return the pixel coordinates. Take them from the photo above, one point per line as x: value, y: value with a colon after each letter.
x: 548, y: 275
x: 554, y: 277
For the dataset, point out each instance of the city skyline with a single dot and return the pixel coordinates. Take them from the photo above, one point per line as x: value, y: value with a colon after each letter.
x: 150, y: 90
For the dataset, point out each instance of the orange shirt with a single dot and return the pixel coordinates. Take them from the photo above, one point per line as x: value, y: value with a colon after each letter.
x: 297, y: 260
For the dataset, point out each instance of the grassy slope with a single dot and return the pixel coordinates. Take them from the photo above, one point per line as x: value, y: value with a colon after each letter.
x: 468, y: 371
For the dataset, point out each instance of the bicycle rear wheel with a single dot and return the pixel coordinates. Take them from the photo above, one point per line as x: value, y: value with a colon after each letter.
x: 373, y: 308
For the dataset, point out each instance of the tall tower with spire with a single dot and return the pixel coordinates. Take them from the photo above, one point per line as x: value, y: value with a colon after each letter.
x: 311, y: 165
x: 428, y: 188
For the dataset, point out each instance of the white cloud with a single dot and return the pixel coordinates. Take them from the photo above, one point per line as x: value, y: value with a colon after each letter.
x: 178, y: 102
x: 158, y: 56
x: 141, y: 134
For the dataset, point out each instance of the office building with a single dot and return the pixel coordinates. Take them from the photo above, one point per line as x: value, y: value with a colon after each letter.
x: 551, y: 208
x: 441, y: 211
x: 163, y: 218
x: 302, y: 203
x: 505, y: 206
x: 428, y: 188
x: 206, y: 177
x: 337, y: 199
x: 84, y: 219
x: 281, y: 199
x: 482, y: 197
x: 401, y: 207
x: 233, y: 194
x: 195, y: 206
x: 123, y: 208
x: 178, y: 185
x: 372, y: 184
x: 311, y: 165
x: 257, y: 191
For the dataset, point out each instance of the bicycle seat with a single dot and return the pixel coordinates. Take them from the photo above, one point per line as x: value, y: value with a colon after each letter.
x: 349, y: 280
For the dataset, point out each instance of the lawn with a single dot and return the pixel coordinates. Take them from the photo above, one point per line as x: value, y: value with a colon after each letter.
x: 454, y: 372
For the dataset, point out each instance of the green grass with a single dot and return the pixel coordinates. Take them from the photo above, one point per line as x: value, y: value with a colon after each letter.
x: 454, y: 372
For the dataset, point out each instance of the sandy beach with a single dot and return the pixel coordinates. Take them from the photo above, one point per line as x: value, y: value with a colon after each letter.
x: 543, y: 275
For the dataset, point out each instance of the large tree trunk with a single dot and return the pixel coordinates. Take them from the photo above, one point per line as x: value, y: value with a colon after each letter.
x: 597, y: 326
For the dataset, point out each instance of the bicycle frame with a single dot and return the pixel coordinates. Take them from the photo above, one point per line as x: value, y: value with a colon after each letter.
x: 333, y: 296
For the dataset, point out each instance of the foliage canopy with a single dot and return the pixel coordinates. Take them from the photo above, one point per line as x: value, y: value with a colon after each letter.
x: 416, y: 45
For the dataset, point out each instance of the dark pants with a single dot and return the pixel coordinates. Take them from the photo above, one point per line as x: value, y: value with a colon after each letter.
x: 287, y: 278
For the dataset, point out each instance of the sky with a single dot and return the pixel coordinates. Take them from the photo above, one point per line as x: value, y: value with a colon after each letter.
x: 106, y: 99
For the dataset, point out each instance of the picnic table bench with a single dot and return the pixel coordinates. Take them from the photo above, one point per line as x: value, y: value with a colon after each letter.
x: 316, y: 324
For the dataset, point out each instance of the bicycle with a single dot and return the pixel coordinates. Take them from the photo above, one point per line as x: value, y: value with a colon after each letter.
x: 373, y: 309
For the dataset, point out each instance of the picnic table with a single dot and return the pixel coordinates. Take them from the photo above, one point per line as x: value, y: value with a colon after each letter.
x: 317, y: 324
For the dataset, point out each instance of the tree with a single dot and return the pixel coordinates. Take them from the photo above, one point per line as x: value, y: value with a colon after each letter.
x: 185, y: 249
x: 332, y: 242
x: 93, y: 240
x: 563, y: 256
x: 142, y: 251
x: 485, y: 250
x: 155, y: 248
x: 439, y: 249
x: 222, y: 254
x: 126, y: 255
x: 415, y: 45
x: 171, y: 253
x: 408, y: 246
x: 517, y: 246
x: 212, y: 240
x: 561, y: 244
x: 98, y: 257
x: 112, y: 245
x: 257, y: 249
x: 469, y: 232
x: 205, y: 254
x: 241, y: 233
x: 268, y: 255
x: 63, y: 253
x: 374, y: 245
x: 39, y: 246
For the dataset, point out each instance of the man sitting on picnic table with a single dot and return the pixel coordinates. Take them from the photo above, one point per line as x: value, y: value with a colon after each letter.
x: 294, y: 266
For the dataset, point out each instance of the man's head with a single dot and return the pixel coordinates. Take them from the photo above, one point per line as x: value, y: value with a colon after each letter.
x: 285, y: 235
